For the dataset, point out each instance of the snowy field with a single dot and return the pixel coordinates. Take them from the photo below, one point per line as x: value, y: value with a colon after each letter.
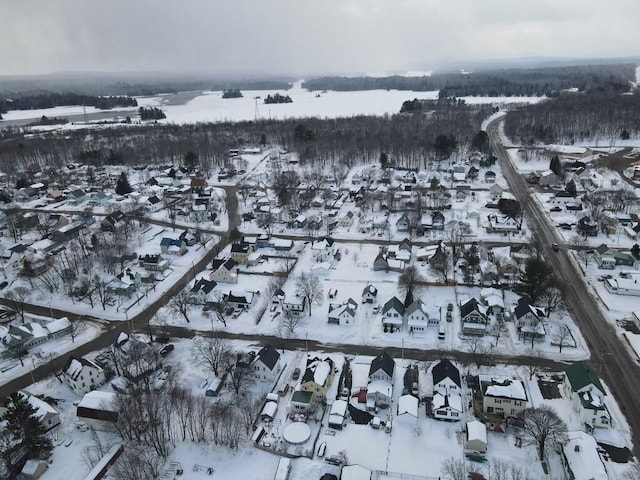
x: 209, y: 106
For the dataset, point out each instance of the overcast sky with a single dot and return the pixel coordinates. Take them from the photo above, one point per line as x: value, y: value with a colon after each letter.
x: 303, y: 37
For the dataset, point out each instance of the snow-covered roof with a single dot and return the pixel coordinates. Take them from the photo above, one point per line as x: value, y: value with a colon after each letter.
x: 380, y: 386
x: 503, y: 387
x: 408, y: 404
x: 269, y: 409
x: 58, y: 325
x: 476, y: 431
x: 339, y: 407
x: 443, y: 398
x: 99, y: 400
x: 355, y: 472
x: 581, y: 452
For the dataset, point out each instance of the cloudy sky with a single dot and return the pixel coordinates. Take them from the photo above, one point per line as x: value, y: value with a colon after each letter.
x: 304, y: 36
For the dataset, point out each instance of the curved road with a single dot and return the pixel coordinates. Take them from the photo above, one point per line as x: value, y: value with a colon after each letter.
x: 608, y: 356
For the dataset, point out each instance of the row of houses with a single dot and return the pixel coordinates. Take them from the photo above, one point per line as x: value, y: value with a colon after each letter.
x: 16, y: 338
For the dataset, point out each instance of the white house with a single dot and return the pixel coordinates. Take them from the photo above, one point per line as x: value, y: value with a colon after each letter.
x: 294, y: 305
x: 224, y: 271
x: 266, y: 364
x: 369, y: 294
x: 419, y: 316
x: 583, y: 387
x: 342, y: 312
x: 393, y: 314
x: 48, y: 416
x: 382, y: 368
x: 83, y: 375
x: 447, y: 396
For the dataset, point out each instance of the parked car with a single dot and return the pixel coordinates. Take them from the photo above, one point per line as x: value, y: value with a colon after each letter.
x: 3, y: 285
x: 555, y: 209
x: 321, y: 449
x: 449, y: 317
x: 450, y: 307
x: 167, y: 349
x: 296, y: 374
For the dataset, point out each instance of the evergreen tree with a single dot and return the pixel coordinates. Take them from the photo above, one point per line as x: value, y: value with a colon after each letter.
x: 24, y: 436
x: 123, y: 187
x: 624, y: 135
x: 190, y: 161
x: 571, y: 188
x: 556, y: 166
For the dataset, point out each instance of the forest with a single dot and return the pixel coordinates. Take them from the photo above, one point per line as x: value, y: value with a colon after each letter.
x: 408, y: 140
x: 50, y: 100
x: 549, y: 81
x: 572, y: 118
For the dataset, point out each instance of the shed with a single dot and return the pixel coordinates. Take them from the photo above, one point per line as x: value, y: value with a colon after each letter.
x: 355, y: 472
x: 476, y: 437
x: 269, y: 411
x: 33, y: 469
x: 408, y: 404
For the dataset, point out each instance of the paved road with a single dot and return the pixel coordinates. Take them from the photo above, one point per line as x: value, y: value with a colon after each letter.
x: 608, y: 356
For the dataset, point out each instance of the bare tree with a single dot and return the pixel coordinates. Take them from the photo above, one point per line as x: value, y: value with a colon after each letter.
x: 409, y: 279
x: 456, y: 233
x: 18, y: 299
x: 443, y: 266
x: 498, y: 329
x: 584, y: 253
x: 211, y: 352
x: 499, y: 469
x: 309, y: 287
x: 517, y: 472
x: 478, y: 349
x: 180, y: 305
x: 101, y: 291
x: 562, y: 337
x: 632, y: 472
x: 238, y: 377
x: 249, y: 409
x: 288, y: 323
x: 454, y: 468
x: 552, y: 299
x: 543, y: 428
x: 219, y: 307
x: 532, y: 366
x: 77, y: 328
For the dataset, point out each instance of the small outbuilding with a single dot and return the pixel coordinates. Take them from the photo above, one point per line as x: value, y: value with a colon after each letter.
x: 476, y: 437
x: 33, y: 469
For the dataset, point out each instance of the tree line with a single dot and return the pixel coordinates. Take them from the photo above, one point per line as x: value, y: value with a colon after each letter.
x: 53, y: 99
x: 571, y: 118
x: 408, y: 140
x: 549, y: 81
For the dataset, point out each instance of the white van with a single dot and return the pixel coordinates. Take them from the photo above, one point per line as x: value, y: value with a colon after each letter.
x: 441, y: 332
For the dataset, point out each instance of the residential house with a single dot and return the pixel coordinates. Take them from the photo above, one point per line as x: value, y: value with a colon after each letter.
x: 83, y: 375
x: 383, y: 263
x: 153, y: 263
x: 528, y: 320
x: 77, y: 197
x: 501, y: 225
x: 173, y: 246
x: 301, y: 401
x: 419, y: 316
x: 67, y: 232
x: 201, y: 292
x: 490, y: 177
x: 380, y: 386
x: 240, y: 299
x: 346, y: 219
x: 473, y: 318
x: 125, y: 283
x: 403, y: 223
x: 323, y: 250
x: 99, y: 409
x: 224, y: 271
x: 496, y: 192
x: 623, y: 285
x: 493, y: 299
x: 583, y: 387
x: 393, y: 315
x: 240, y: 252
x: 342, y: 312
x: 547, y: 177
x: 502, y: 398
x: 437, y: 220
x: 49, y: 417
x: 134, y: 359
x: 447, y: 397
x: 369, y: 294
x: 266, y: 365
x: 113, y: 221
x: 294, y: 305
x: 317, y: 378
x: 580, y: 457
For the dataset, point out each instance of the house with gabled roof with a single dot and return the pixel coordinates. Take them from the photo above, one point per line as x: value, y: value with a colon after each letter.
x: 382, y: 368
x: 240, y: 299
x: 419, y: 316
x: 201, y: 292
x: 323, y: 250
x: 403, y: 223
x: 393, y: 314
x: 473, y: 317
x: 583, y: 387
x: 369, y: 294
x: 153, y: 263
x: 447, y: 397
x: 580, y: 457
x: 224, y: 271
x: 173, y: 246
x: 528, y: 319
x: 380, y: 385
x: 83, y: 375
x: 49, y: 416
x: 317, y: 378
x: 342, y: 312
x: 502, y: 398
x: 266, y: 364
x: 294, y: 305
x: 384, y: 263
x: 240, y: 252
